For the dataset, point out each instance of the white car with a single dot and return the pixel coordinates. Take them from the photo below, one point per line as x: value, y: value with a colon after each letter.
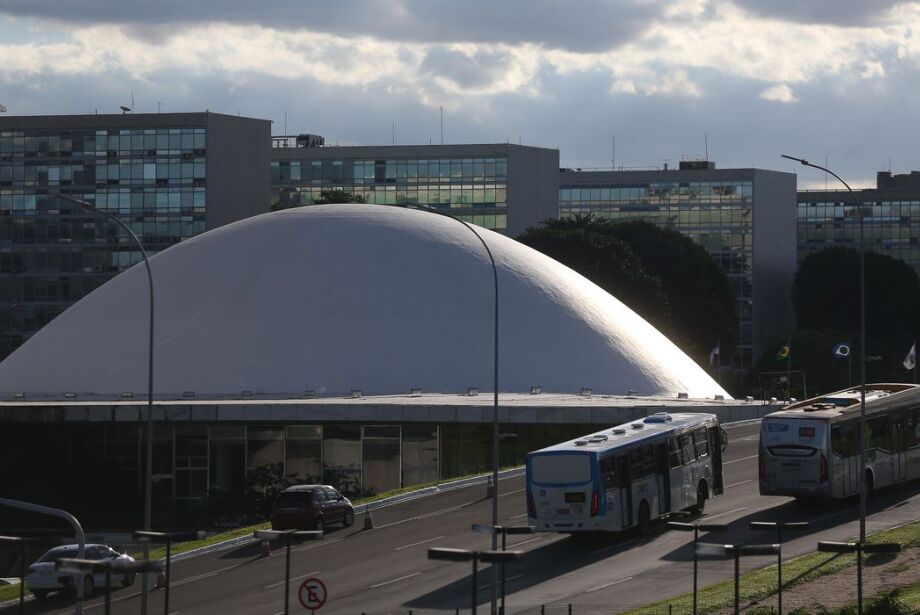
x: 42, y: 578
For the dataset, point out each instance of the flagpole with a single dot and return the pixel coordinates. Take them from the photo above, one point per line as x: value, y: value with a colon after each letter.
x: 789, y: 372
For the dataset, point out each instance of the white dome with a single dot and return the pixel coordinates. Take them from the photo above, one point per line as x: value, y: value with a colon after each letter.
x: 339, y: 297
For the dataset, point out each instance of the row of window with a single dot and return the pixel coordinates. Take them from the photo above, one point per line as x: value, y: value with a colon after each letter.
x: 141, y: 172
x: 123, y: 199
x: 717, y: 192
x: 891, y: 433
x: 136, y: 140
x: 391, y: 171
x: 640, y: 462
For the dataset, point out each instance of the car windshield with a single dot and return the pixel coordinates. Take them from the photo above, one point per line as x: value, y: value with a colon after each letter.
x: 293, y: 498
x: 58, y: 553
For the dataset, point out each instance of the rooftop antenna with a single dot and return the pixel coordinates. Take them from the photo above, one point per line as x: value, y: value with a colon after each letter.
x: 706, y: 139
x: 613, y: 152
x: 159, y: 106
x: 285, y: 122
x: 442, y: 124
x: 2, y: 109
x: 394, y: 133
x: 825, y: 173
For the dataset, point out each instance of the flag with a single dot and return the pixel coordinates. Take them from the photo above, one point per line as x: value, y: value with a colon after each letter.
x: 784, y: 351
x: 910, y: 361
x: 714, y: 353
x: 842, y: 351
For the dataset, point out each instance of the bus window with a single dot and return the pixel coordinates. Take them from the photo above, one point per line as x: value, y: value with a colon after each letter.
x: 607, y: 473
x: 877, y: 433
x: 687, y: 451
x: 674, y: 453
x: 913, y: 428
x: 701, y: 442
x: 642, y: 462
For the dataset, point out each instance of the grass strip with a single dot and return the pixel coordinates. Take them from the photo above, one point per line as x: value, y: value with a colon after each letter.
x: 760, y: 583
x: 185, y: 546
x: 10, y: 592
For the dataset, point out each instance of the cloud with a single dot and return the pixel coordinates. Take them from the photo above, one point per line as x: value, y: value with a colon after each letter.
x: 779, y: 93
x: 834, y: 12
x: 587, y: 25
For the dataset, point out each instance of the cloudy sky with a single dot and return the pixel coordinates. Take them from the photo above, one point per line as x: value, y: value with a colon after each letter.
x: 834, y: 80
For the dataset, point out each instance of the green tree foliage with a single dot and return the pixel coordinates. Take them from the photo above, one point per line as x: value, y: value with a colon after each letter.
x: 290, y: 198
x: 662, y: 275
x: 825, y: 295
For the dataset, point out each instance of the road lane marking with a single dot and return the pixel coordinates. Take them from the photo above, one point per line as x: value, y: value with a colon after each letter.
x: 737, y: 460
x: 612, y: 583
x: 501, y: 495
x: 744, y: 482
x: 524, y: 542
x: 487, y: 585
x: 421, y: 542
x: 518, y: 516
x: 206, y: 575
x: 408, y: 576
x: 621, y: 545
x: 708, y: 517
x: 317, y: 545
x: 297, y: 578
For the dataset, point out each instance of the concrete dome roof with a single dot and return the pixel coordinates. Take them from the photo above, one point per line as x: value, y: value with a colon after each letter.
x: 339, y: 297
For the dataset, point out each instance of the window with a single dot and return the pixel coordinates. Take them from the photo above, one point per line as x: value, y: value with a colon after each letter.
x: 877, y: 435
x: 700, y: 442
x: 687, y: 449
x: 674, y: 459
x: 319, y: 496
x: 607, y: 473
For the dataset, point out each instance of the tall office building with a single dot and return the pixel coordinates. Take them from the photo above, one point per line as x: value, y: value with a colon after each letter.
x: 502, y: 187
x: 891, y: 218
x: 744, y: 218
x: 169, y: 176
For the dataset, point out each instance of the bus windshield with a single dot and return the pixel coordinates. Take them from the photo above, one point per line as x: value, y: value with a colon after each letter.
x: 571, y: 468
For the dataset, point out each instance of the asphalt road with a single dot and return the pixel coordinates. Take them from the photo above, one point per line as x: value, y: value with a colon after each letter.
x: 386, y: 570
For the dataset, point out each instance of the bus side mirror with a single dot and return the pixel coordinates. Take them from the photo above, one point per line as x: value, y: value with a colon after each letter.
x: 723, y: 436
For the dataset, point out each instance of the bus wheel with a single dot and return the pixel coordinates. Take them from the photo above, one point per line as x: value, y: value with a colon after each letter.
x: 645, y: 519
x: 702, y: 494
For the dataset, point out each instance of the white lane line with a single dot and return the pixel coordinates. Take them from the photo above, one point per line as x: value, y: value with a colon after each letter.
x: 737, y: 460
x: 612, y: 583
x: 621, y: 545
x: 297, y: 578
x: 744, y: 482
x: 420, y: 542
x: 427, y: 515
x: 708, y: 517
x: 317, y: 545
x: 518, y: 516
x: 501, y: 495
x: 739, y: 424
x: 524, y: 542
x: 206, y: 575
x: 487, y: 585
x: 408, y: 576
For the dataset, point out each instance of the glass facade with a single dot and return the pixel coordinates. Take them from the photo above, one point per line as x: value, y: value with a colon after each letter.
x: 53, y: 253
x: 718, y: 215
x: 472, y: 189
x: 891, y: 223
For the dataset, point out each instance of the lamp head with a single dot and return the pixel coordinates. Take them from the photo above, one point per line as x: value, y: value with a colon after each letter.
x: 800, y: 160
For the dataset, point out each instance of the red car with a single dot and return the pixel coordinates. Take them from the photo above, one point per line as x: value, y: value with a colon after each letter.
x: 311, y: 507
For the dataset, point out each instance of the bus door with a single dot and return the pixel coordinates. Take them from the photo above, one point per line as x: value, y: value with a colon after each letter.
x: 898, y: 447
x: 716, y: 444
x: 625, y: 483
x: 664, y: 478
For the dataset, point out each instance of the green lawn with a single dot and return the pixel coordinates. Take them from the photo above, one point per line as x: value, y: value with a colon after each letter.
x: 761, y: 583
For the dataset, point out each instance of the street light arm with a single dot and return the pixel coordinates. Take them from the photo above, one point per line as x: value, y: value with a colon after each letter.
x: 820, y: 168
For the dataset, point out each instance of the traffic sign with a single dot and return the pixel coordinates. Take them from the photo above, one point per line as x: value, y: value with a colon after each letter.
x: 312, y: 594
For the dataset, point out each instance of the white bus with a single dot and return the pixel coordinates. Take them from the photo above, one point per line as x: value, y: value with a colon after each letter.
x: 810, y: 449
x: 624, y: 477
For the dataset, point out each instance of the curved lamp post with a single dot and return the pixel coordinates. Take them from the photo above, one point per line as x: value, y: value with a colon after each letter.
x: 148, y: 478
x: 862, y: 348
x: 495, y: 460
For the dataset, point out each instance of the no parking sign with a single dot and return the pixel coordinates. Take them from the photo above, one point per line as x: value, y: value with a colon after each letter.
x: 312, y: 594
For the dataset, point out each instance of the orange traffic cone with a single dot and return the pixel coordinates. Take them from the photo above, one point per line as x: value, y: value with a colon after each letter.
x: 266, y: 550
x: 368, y: 521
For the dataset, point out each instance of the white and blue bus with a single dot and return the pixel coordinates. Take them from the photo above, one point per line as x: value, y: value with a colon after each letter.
x: 627, y: 476
x: 810, y: 449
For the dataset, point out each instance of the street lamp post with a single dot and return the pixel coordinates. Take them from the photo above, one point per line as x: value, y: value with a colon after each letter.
x: 736, y: 551
x: 91, y: 566
x: 504, y: 530
x: 695, y: 528
x: 862, y: 347
x: 466, y: 555
x: 148, y: 537
x: 859, y: 548
x: 148, y: 479
x: 286, y: 534
x: 779, y: 526
x: 495, y: 451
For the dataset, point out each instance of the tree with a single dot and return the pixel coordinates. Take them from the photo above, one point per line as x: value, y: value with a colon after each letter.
x: 290, y: 198
x: 825, y: 294
x: 659, y: 273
